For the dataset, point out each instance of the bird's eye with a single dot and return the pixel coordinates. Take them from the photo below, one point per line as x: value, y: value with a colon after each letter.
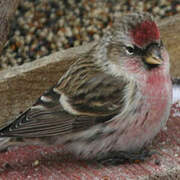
x: 129, y: 50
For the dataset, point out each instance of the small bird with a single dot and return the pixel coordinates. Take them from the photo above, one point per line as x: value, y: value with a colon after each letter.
x: 112, y: 100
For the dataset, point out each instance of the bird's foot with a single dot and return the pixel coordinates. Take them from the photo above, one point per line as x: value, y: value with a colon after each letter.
x: 120, y: 157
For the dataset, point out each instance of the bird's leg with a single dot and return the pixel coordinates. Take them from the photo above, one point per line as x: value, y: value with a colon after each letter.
x: 120, y: 157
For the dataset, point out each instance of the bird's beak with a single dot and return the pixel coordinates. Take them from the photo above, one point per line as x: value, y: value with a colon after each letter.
x: 154, y: 57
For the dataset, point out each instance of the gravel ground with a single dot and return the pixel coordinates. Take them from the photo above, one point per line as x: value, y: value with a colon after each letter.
x: 41, y: 27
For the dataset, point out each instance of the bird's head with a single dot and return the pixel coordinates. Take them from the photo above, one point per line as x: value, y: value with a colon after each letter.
x: 133, y: 44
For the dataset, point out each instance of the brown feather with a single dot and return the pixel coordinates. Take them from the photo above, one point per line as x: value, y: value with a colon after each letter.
x: 95, y: 95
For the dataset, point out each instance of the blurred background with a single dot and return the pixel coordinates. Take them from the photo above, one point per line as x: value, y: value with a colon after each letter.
x: 41, y: 27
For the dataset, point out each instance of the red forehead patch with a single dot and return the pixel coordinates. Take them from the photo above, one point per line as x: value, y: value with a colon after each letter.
x: 145, y: 32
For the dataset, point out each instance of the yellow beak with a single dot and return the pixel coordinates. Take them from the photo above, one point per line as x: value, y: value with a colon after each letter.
x: 153, y: 60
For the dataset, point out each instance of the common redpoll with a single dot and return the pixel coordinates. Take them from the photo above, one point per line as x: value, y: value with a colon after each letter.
x: 115, y: 98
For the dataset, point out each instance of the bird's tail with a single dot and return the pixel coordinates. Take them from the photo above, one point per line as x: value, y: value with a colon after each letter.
x: 4, y: 143
x: 7, y: 143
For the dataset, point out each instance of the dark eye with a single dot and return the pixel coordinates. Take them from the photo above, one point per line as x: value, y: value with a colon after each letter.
x: 129, y: 50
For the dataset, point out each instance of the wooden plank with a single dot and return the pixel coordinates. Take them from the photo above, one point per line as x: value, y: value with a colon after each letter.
x: 21, y: 86
x: 170, y: 32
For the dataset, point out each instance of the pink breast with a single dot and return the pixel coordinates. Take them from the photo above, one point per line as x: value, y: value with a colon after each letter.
x: 158, y: 92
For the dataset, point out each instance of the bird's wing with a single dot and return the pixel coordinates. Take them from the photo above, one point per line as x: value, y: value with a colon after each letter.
x: 52, y: 116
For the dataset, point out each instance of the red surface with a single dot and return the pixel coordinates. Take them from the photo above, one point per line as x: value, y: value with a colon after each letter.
x: 32, y: 162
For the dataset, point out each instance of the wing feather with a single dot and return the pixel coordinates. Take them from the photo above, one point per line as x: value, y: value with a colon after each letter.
x: 97, y: 98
